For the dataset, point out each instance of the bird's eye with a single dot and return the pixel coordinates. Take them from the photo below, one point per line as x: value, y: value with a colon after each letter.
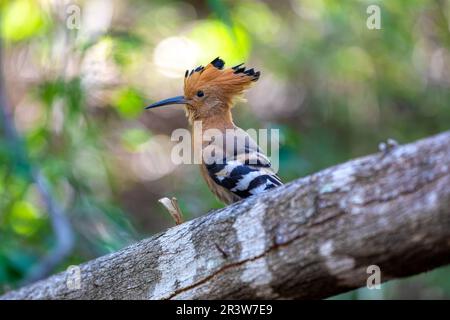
x: 200, y: 93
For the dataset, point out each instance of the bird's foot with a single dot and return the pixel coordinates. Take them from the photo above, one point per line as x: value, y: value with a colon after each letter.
x: 387, y: 146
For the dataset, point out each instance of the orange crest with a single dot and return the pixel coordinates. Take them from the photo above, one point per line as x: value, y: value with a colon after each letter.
x: 225, y: 82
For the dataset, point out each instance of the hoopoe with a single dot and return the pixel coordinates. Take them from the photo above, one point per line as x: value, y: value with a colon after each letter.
x: 233, y: 165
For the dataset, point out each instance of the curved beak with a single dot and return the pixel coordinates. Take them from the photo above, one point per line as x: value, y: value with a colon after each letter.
x: 165, y: 102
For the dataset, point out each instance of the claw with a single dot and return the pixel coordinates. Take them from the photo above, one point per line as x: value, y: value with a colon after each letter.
x: 388, y: 145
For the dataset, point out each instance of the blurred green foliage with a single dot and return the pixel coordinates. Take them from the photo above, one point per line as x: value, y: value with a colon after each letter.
x: 334, y: 88
x: 22, y: 19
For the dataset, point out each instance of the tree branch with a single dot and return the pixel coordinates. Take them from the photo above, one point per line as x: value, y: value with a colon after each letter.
x: 312, y: 238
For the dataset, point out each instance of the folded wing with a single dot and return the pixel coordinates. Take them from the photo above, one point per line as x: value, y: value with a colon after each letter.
x: 243, y: 169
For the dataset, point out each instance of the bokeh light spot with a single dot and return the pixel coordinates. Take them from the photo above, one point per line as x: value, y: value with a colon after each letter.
x: 172, y: 56
x: 232, y: 43
x: 21, y: 19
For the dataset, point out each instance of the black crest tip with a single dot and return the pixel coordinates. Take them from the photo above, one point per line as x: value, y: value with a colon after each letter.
x: 218, y: 63
x: 186, y: 73
x: 237, y: 66
x: 239, y: 70
x: 250, y: 72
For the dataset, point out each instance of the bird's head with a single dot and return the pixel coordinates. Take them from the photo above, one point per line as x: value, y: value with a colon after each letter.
x: 210, y: 90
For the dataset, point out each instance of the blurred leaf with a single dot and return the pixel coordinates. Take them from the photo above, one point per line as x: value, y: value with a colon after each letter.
x: 222, y: 11
x: 70, y: 91
x: 74, y: 95
x: 3, y: 269
x: 49, y: 90
x: 22, y: 19
x: 259, y: 20
x: 125, y: 47
x: 37, y: 142
x: 19, y: 261
x: 133, y: 138
x: 24, y: 218
x: 215, y: 38
x: 128, y: 102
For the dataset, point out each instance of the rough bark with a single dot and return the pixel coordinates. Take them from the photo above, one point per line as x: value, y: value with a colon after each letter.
x: 312, y: 238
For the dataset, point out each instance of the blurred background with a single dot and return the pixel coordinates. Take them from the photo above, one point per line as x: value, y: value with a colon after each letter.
x: 77, y: 75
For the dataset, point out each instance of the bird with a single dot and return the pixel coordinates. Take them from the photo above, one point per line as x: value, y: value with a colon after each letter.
x: 234, y: 166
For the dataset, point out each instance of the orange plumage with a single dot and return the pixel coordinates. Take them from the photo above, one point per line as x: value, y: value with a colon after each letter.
x: 219, y: 87
x: 238, y: 168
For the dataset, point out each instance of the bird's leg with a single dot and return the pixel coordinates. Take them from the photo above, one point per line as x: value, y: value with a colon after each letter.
x: 386, y: 147
x: 174, y: 209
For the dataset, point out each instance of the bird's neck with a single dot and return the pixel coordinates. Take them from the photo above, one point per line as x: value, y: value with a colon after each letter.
x: 209, y: 125
x: 221, y: 121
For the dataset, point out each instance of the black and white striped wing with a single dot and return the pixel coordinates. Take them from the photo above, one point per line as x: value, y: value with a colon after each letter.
x: 246, y: 176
